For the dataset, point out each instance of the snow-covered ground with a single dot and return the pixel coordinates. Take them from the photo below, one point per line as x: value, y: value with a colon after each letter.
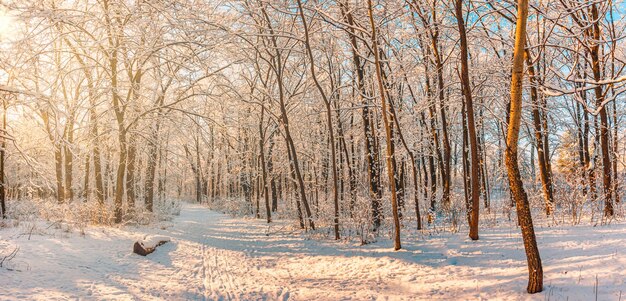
x: 216, y: 257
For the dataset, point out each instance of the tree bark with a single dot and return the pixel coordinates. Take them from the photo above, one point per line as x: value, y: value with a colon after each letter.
x: 544, y: 173
x: 471, y: 125
x: 285, y: 121
x: 604, y: 123
x: 329, y: 120
x: 443, y: 151
x: 151, y: 166
x: 3, y: 188
x: 390, y: 154
x: 131, y: 161
x: 69, y: 158
x: 268, y: 211
x: 371, y: 149
x: 535, y: 270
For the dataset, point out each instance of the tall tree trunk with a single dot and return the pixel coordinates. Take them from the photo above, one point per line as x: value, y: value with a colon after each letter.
x: 86, y: 190
x: 121, y: 171
x: 387, y: 125
x: 604, y: 123
x: 58, y: 160
x: 414, y: 168
x: 69, y: 159
x: 615, y: 153
x: 285, y: 121
x: 535, y: 270
x: 589, y: 169
x: 97, y: 165
x: 544, y: 173
x: 113, y: 37
x: 131, y: 161
x: 466, y: 165
x: 348, y: 159
x: 268, y: 211
x: 151, y: 167
x: 471, y: 125
x: 93, y: 126
x: 398, y: 173
x: 3, y: 189
x: 434, y: 146
x: 132, y: 147
x: 270, y: 172
x: 482, y: 153
x: 371, y: 149
x: 163, y: 158
x: 292, y: 173
x: 58, y: 157
x: 329, y: 120
x: 444, y: 156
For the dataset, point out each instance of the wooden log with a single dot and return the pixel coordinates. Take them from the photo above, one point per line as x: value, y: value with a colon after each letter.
x: 149, y: 244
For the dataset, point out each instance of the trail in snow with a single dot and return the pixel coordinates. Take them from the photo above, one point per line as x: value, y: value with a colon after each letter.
x: 216, y: 257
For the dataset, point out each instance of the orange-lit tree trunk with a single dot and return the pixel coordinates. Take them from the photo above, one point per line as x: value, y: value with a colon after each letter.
x: 535, y: 270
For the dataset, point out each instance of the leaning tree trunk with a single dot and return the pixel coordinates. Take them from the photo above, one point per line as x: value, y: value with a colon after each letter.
x: 291, y: 147
x: 292, y: 173
x: 535, y: 270
x: 390, y: 171
x: 329, y: 119
x: 413, y: 168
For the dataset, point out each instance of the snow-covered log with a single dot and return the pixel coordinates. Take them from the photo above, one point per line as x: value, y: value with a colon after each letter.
x: 148, y: 244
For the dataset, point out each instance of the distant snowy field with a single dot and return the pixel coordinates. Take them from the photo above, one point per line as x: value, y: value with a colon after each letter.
x: 216, y: 257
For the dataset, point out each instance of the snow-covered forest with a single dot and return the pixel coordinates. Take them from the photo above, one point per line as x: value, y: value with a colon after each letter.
x: 312, y: 150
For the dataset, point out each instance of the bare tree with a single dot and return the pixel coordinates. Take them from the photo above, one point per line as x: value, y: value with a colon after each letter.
x: 535, y: 270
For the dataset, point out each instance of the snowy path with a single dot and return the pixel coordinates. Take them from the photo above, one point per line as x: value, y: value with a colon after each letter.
x: 216, y: 257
